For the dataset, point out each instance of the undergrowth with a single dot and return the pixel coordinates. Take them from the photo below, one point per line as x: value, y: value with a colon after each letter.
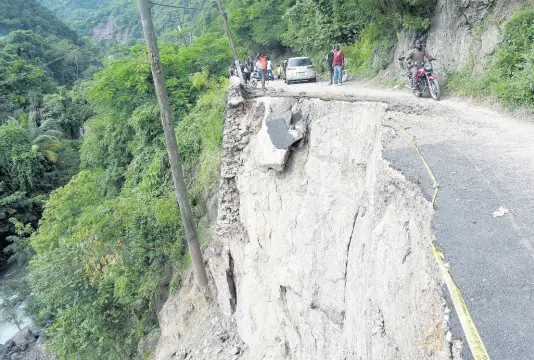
x: 372, y: 52
x: 510, y: 75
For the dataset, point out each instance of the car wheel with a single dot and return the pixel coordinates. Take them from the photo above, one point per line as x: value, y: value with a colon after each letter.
x: 313, y: 80
x: 288, y: 82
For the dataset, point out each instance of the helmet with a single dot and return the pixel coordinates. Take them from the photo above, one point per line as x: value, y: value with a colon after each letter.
x: 419, y: 41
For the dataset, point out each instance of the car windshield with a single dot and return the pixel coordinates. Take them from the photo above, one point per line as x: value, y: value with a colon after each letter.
x: 300, y: 62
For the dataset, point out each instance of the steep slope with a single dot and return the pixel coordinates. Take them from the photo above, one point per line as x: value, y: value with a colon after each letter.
x: 327, y: 259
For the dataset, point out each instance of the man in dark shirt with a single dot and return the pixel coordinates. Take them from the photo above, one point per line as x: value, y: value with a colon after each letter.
x: 329, y: 60
x: 247, y: 71
x: 416, y: 59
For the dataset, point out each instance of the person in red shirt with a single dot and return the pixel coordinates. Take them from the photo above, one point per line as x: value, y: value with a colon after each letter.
x: 338, y: 64
x: 262, y: 60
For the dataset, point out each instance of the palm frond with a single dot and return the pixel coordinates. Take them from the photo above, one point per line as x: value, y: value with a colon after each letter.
x: 50, y: 156
x: 50, y: 124
x: 53, y: 133
x: 44, y: 138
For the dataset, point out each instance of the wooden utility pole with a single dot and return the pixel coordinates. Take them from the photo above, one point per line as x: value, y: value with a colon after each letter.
x: 224, y: 18
x: 172, y: 146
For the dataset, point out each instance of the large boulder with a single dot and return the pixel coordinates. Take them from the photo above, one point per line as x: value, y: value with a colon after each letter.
x: 25, y: 336
x: 235, y: 98
x: 281, y: 128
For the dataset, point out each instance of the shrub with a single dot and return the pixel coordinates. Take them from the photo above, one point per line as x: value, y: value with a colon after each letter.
x: 510, y: 76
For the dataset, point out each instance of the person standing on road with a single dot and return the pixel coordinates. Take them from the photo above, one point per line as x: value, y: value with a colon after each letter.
x: 338, y: 63
x: 329, y: 61
x: 416, y: 60
x: 247, y: 70
x: 262, y: 65
x: 270, y: 75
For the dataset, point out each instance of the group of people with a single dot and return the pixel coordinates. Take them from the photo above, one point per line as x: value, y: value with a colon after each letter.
x: 334, y: 61
x: 263, y: 67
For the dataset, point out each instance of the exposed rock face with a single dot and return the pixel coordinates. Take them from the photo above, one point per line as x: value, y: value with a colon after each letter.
x: 464, y: 33
x: 326, y: 257
x: 331, y: 246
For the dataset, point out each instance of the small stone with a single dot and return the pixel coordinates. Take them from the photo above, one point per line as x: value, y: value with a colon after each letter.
x: 244, y: 140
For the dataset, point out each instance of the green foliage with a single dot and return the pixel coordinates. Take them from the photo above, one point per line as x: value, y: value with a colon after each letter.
x: 37, y: 116
x: 117, y: 248
x: 20, y: 246
x: 117, y: 221
x: 30, y: 15
x: 76, y: 12
x: 27, y: 176
x: 368, y: 28
x: 373, y: 51
x: 33, y: 66
x: 200, y: 137
x: 510, y: 76
x: 309, y: 29
x: 20, y: 168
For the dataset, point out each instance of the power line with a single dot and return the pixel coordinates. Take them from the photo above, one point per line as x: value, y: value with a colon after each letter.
x: 174, y: 6
x: 21, y: 76
x: 42, y: 66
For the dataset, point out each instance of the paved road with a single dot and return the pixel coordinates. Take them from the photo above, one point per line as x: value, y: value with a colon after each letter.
x: 483, y: 160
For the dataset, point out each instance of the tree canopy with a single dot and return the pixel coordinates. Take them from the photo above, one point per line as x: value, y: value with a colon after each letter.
x: 30, y: 15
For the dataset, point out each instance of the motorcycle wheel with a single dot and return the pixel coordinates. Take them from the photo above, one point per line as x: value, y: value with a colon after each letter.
x: 417, y: 93
x: 344, y: 76
x: 435, y: 91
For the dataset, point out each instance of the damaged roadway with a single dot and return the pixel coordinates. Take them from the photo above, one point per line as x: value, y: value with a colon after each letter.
x: 322, y: 250
x: 483, y: 160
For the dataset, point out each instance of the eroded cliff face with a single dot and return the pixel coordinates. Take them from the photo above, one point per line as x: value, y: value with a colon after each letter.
x: 464, y: 33
x: 322, y: 250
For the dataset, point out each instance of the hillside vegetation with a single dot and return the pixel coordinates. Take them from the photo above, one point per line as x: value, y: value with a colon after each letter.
x: 510, y: 76
x: 29, y: 15
x: 86, y: 201
x: 41, y: 110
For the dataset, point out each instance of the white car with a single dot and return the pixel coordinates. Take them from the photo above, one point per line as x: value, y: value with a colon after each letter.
x: 300, y: 69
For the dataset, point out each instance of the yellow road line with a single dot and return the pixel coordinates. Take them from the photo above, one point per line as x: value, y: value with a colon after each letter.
x: 471, y: 333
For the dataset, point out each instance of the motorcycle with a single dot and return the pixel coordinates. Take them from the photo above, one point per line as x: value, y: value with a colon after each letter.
x: 425, y: 80
x: 255, y: 78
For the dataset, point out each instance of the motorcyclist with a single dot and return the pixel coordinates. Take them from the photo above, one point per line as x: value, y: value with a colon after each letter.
x: 416, y: 59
